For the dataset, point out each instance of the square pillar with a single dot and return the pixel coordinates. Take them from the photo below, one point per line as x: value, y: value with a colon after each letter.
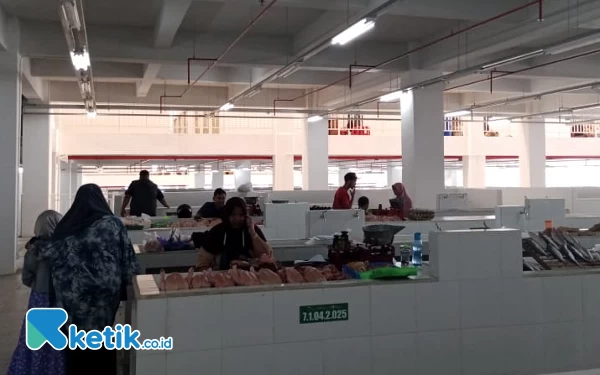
x: 242, y: 173
x: 315, y: 156
x: 10, y: 107
x: 532, y: 156
x: 200, y: 179
x: 217, y: 179
x: 423, y: 144
x: 283, y: 157
x: 37, y: 167
x: 474, y: 171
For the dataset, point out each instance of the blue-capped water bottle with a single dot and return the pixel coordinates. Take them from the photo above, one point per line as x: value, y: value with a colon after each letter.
x: 417, y: 250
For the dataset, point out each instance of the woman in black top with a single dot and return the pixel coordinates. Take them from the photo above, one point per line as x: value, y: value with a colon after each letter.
x: 236, y: 238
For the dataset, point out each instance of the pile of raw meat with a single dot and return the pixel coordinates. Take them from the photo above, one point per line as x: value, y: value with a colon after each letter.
x: 245, y: 274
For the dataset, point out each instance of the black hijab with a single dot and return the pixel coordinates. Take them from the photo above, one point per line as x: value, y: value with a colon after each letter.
x: 88, y: 207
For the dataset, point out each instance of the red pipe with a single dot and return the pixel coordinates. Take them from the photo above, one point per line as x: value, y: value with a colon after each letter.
x: 169, y: 157
x: 504, y: 74
x: 189, y: 61
x: 215, y: 61
x: 426, y: 45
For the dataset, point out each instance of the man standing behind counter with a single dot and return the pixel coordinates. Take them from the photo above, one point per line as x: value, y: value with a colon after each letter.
x: 214, y: 209
x: 344, y: 196
x: 143, y: 195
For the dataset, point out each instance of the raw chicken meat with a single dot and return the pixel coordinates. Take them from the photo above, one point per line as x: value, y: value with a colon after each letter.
x: 241, y: 264
x: 199, y: 280
x: 244, y: 278
x: 220, y: 279
x: 312, y: 275
x: 332, y: 273
x: 266, y: 276
x: 290, y: 276
x: 172, y: 281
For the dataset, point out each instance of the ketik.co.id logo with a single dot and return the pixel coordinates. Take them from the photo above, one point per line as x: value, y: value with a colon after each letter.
x: 44, y: 326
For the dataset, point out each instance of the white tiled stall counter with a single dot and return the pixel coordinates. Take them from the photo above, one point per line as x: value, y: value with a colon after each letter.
x: 482, y: 316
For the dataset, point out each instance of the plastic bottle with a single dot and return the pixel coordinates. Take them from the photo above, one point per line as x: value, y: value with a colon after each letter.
x: 417, y: 250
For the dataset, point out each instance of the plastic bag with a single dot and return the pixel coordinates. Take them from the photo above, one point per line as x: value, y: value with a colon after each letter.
x: 151, y: 243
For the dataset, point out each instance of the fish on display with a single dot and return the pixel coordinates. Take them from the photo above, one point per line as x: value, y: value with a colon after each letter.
x: 540, y: 245
x: 534, y: 246
x: 553, y: 248
x: 576, y: 244
x: 569, y: 254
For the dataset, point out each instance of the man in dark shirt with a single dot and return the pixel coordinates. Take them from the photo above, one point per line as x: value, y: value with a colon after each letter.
x: 215, y: 208
x: 143, y: 195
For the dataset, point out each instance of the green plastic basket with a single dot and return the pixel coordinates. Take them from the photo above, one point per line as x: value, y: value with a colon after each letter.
x: 393, y: 272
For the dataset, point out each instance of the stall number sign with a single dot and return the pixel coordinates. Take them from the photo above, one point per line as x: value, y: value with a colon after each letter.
x: 323, y: 313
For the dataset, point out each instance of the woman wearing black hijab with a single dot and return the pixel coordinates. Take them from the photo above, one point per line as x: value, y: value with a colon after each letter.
x: 92, y: 263
x: 236, y: 238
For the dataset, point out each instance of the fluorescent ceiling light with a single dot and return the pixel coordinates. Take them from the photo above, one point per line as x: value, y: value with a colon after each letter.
x: 252, y: 93
x: 513, y: 59
x: 457, y: 114
x: 289, y: 71
x: 80, y: 60
x: 353, y: 31
x: 314, y: 118
x: 70, y: 15
x: 226, y: 107
x: 574, y: 44
x: 500, y: 120
x: 391, y: 97
x: 91, y: 113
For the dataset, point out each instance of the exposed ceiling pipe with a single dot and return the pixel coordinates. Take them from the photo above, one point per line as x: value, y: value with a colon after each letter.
x: 313, y: 49
x: 531, y: 97
x: 464, y: 73
x: 421, y: 47
x: 214, y: 62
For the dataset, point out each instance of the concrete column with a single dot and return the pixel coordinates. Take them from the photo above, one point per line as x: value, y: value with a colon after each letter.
x: 474, y: 171
x: 200, y: 179
x: 532, y: 157
x: 37, y: 166
x: 423, y: 144
x: 283, y: 158
x: 242, y: 173
x: 76, y: 178
x: 64, y: 192
x: 394, y: 174
x: 217, y: 179
x: 315, y: 156
x: 10, y: 107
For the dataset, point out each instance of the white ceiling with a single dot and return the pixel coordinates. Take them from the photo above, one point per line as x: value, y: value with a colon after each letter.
x: 129, y: 68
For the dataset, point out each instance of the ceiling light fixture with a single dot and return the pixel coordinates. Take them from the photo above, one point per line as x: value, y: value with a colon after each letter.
x: 314, y: 118
x: 226, y: 107
x: 499, y: 120
x: 91, y: 114
x: 70, y: 15
x: 353, y: 31
x: 80, y: 60
x: 391, y: 97
x: 513, y: 59
x: 252, y: 92
x: 289, y: 71
x: 574, y: 44
x: 457, y: 114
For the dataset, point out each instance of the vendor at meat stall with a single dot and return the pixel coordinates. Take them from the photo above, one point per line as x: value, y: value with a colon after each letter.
x: 344, y: 196
x: 402, y: 200
x: 143, y: 195
x: 215, y: 208
x: 236, y: 238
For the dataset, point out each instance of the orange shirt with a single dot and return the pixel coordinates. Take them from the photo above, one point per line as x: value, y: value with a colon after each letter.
x: 342, y: 199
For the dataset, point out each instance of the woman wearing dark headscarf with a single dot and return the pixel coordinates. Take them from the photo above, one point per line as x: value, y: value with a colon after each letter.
x: 402, y: 198
x: 92, y: 263
x: 36, y: 275
x: 236, y: 238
